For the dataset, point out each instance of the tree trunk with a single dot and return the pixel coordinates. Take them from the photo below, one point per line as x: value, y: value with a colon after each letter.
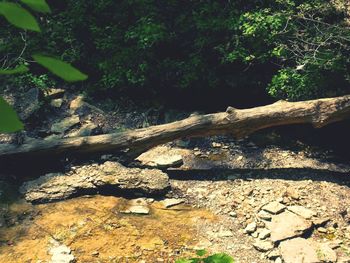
x: 235, y: 122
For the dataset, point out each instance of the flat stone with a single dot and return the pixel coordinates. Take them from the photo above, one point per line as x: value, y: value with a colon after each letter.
x: 320, y: 221
x: 94, y: 178
x: 250, y: 228
x: 65, y: 124
x: 139, y: 209
x: 274, y: 207
x: 298, y: 250
x: 325, y: 253
x: 287, y: 225
x: 263, y: 246
x: 163, y: 157
x: 264, y: 215
x: 169, y: 202
x: 302, y: 211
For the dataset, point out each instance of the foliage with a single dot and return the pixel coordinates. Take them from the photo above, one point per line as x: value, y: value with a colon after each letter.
x: 233, y: 51
x: 215, y: 258
x: 23, y: 19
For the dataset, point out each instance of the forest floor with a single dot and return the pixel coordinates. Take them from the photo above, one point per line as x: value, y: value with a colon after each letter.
x: 259, y: 199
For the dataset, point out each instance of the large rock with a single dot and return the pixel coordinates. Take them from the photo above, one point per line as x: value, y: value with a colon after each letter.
x: 90, y: 179
x: 287, y: 225
x: 298, y: 250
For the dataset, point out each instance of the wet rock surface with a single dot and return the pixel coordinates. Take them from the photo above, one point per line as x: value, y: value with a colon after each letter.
x: 94, y: 178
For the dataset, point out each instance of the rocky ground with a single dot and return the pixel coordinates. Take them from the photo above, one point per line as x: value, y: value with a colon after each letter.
x: 271, y: 202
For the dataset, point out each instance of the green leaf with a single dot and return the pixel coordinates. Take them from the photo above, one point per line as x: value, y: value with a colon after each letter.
x: 19, y: 69
x: 18, y: 16
x: 9, y: 121
x: 185, y: 261
x: 201, y: 252
x: 60, y: 68
x: 37, y: 5
x: 219, y: 258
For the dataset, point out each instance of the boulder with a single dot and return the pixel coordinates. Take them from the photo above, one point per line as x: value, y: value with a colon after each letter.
x: 91, y: 179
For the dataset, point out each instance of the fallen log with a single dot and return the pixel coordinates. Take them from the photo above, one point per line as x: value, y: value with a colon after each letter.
x: 235, y: 122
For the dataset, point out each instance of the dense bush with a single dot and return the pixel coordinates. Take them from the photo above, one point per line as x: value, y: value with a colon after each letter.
x: 234, y: 52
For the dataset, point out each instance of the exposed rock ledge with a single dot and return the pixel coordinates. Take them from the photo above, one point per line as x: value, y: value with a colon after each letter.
x: 88, y: 179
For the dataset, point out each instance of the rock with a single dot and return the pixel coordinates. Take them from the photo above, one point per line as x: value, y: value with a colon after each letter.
x: 264, y: 233
x: 287, y: 225
x: 320, y: 221
x: 137, y: 206
x: 322, y: 230
x: 80, y: 107
x: 273, y: 254
x: 163, y: 157
x: 61, y: 254
x: 57, y: 103
x: 29, y: 103
x: 264, y: 215
x: 225, y: 233
x: 76, y: 103
x: 216, y: 145
x: 325, y: 253
x: 65, y: 124
x: 54, y: 93
x: 263, y: 246
x: 334, y: 244
x: 292, y: 193
x: 138, y: 209
x: 298, y: 250
x: 278, y: 260
x: 302, y: 211
x: 94, y: 178
x: 86, y: 129
x: 250, y: 228
x: 274, y: 207
x: 169, y: 202
x: 233, y: 214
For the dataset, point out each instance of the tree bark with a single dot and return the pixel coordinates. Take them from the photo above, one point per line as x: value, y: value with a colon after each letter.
x: 235, y: 122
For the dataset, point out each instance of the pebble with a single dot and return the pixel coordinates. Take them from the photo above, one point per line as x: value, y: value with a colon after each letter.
x: 250, y: 228
x: 263, y: 246
x: 264, y: 233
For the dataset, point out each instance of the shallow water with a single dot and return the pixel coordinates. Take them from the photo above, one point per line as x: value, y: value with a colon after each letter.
x: 95, y: 230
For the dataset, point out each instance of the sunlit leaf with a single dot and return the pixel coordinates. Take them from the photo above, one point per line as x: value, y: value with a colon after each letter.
x: 60, y: 68
x: 219, y: 258
x: 201, y: 252
x: 184, y: 261
x: 38, y: 5
x: 9, y: 121
x: 17, y: 70
x: 18, y: 16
